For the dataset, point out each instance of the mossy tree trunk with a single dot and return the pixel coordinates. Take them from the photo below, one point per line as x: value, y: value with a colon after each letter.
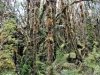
x: 51, y: 11
x: 33, y: 31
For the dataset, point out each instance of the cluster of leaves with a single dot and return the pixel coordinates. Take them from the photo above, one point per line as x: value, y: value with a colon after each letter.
x: 6, y: 62
x: 8, y: 45
x: 40, y: 67
x: 24, y: 65
x: 10, y: 26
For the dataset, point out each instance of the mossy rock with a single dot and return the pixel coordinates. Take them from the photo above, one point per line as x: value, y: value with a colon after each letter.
x: 72, y: 55
x: 69, y: 72
x: 91, y: 57
x: 69, y: 66
x: 66, y: 56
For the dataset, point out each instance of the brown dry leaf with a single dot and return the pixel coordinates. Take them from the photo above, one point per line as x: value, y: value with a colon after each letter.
x: 15, y: 50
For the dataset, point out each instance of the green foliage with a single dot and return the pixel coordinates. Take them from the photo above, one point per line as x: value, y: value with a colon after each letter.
x: 59, y: 54
x: 62, y: 46
x: 90, y: 35
x: 24, y: 69
x: 61, y: 65
x: 24, y: 65
x: 1, y: 6
x: 10, y: 26
x: 6, y: 62
x: 97, y: 70
x: 8, y: 72
x: 11, y: 39
x: 91, y: 63
x: 40, y: 67
x: 40, y: 64
x: 50, y: 71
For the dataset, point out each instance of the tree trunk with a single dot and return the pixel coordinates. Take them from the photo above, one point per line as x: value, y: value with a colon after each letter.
x: 33, y: 31
x: 51, y: 10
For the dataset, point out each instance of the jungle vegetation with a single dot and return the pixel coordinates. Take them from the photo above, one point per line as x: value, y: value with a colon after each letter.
x: 49, y: 37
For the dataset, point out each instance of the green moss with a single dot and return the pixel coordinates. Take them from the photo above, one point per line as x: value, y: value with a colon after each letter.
x: 10, y: 26
x: 72, y: 55
x: 7, y: 72
x: 6, y: 62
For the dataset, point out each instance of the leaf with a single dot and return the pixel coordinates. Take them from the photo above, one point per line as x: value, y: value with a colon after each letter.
x: 25, y: 66
x: 15, y: 50
x: 62, y: 45
x: 23, y: 71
